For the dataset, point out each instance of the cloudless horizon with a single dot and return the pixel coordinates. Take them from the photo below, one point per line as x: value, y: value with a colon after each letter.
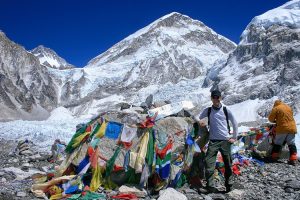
x: 81, y: 30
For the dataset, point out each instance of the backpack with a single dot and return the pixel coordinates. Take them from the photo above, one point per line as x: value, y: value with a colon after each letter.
x: 226, y: 115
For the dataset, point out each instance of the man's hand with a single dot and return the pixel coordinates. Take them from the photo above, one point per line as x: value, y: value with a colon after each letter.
x: 231, y: 140
x: 202, y: 123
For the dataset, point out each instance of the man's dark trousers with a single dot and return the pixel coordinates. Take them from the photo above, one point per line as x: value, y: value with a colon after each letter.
x: 210, y: 161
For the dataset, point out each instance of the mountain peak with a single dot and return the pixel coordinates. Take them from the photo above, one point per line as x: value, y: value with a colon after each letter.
x: 174, y: 19
x: 50, y: 58
x: 168, y: 55
x: 173, y: 15
x: 171, y: 28
x: 42, y: 47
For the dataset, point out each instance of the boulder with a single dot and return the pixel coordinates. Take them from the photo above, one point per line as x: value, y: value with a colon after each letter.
x: 21, y: 194
x: 171, y: 193
x: 26, y: 152
x: 175, y: 127
x: 236, y: 194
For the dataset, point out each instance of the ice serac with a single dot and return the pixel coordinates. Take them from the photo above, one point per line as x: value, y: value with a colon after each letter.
x: 27, y: 90
x: 266, y: 63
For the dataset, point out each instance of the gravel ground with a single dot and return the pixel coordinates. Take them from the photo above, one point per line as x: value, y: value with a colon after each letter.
x: 11, y: 187
x: 271, y: 181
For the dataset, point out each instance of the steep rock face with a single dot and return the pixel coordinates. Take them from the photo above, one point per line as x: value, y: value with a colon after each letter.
x: 25, y: 85
x: 266, y: 63
x: 49, y: 58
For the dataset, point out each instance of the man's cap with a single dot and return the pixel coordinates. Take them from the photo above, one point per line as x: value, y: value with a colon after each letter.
x: 215, y: 93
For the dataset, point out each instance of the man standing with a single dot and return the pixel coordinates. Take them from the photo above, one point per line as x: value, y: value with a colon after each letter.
x: 219, y: 139
x: 285, y: 130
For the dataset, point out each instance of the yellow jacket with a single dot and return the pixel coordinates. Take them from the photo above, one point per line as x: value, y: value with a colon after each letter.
x: 282, y: 114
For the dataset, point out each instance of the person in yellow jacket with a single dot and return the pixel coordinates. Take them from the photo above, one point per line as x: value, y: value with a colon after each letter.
x: 282, y: 115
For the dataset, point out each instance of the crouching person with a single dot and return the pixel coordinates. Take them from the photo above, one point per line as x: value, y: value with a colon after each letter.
x: 285, y: 130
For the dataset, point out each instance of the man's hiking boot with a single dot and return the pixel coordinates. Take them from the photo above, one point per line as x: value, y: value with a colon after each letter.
x: 270, y: 160
x: 228, y: 188
x: 228, y: 185
x: 292, y: 162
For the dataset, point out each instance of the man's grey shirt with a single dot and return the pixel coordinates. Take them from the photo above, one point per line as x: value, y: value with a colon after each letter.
x: 218, y: 129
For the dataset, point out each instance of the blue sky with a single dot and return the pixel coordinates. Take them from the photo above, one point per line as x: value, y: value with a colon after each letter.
x: 80, y: 30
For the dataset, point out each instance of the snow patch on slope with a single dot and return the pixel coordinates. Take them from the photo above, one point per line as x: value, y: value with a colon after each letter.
x: 246, y: 111
x: 60, y: 114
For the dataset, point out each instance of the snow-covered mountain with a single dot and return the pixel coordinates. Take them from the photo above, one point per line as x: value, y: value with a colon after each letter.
x: 26, y: 88
x: 266, y: 63
x: 50, y: 58
x: 170, y: 58
x: 174, y: 58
